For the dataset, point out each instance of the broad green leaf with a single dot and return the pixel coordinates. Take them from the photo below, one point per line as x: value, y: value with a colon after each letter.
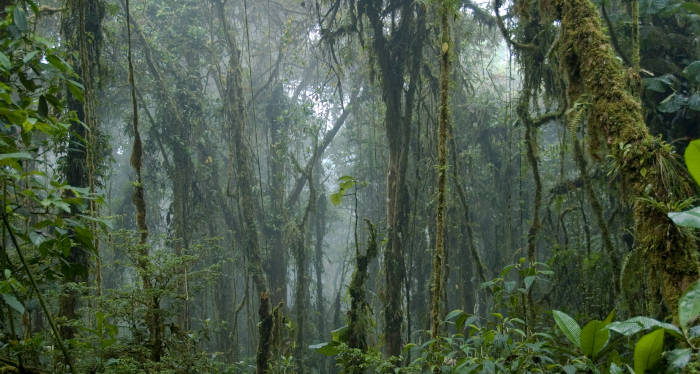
x: 29, y: 56
x: 340, y: 334
x: 453, y: 314
x: 672, y: 103
x: 336, y: 198
x: 660, y: 84
x: 529, y: 281
x: 692, y: 71
x: 647, y: 351
x: 689, y: 218
x: 57, y: 62
x: 13, y: 303
x: 15, y: 116
x: 5, y: 61
x: 694, y: 102
x: 460, y: 321
x: 20, y: 18
x: 692, y: 7
x: 568, y: 326
x: 76, y: 89
x: 678, y: 359
x: 594, y: 337
x: 326, y: 349
x: 689, y: 305
x: 692, y: 159
x: 637, y: 324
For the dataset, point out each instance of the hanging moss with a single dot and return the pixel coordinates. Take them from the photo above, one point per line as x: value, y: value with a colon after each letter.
x: 647, y: 166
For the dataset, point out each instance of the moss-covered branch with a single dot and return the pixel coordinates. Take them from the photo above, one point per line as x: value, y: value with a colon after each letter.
x: 647, y: 166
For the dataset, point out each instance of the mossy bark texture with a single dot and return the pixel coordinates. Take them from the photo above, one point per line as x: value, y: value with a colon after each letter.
x: 647, y: 166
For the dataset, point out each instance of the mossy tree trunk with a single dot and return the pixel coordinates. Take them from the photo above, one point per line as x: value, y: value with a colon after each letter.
x: 81, y: 27
x: 394, y: 61
x: 438, y: 281
x: 647, y: 167
x: 235, y: 113
x: 277, y: 264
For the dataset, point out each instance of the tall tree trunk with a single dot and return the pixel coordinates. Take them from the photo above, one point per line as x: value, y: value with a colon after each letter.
x: 301, y: 292
x: 154, y: 321
x: 234, y: 109
x: 648, y: 166
x: 394, y: 60
x: 320, y: 233
x: 442, y: 130
x: 81, y: 27
x: 277, y: 264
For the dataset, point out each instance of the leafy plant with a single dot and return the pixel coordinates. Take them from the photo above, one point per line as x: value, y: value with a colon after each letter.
x: 595, y: 340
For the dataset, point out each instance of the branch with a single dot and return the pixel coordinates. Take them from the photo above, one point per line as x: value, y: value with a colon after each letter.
x: 318, y: 152
x: 480, y: 14
x: 613, y: 36
x: 505, y: 32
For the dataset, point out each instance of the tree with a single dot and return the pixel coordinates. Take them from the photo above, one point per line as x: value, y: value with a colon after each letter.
x: 82, y: 27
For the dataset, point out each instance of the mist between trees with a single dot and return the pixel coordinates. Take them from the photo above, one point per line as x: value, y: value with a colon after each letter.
x: 349, y: 186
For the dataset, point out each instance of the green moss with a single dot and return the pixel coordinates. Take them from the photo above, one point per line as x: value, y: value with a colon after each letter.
x: 647, y: 166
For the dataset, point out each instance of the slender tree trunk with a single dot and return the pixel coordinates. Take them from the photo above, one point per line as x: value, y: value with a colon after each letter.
x: 153, y: 321
x: 442, y: 130
x: 277, y: 264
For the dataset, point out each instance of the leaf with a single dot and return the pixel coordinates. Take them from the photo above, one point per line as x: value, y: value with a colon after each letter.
x: 689, y: 218
x: 30, y: 56
x: 689, y: 305
x: 692, y: 71
x: 460, y: 321
x: 453, y: 314
x: 594, y: 337
x: 340, y: 334
x: 677, y: 359
x: 614, y: 369
x: 76, y: 89
x: 20, y: 18
x: 5, y: 61
x: 15, y: 116
x: 692, y: 159
x: 672, y: 103
x: 16, y: 156
x: 691, y: 7
x: 326, y: 349
x: 694, y: 102
x: 57, y: 62
x: 637, y: 324
x: 13, y: 303
x: 568, y: 326
x: 529, y: 281
x: 336, y: 198
x: 647, y: 351
x: 43, y: 106
x: 660, y: 84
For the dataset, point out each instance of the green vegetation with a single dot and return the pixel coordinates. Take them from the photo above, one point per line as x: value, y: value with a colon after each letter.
x: 349, y: 186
